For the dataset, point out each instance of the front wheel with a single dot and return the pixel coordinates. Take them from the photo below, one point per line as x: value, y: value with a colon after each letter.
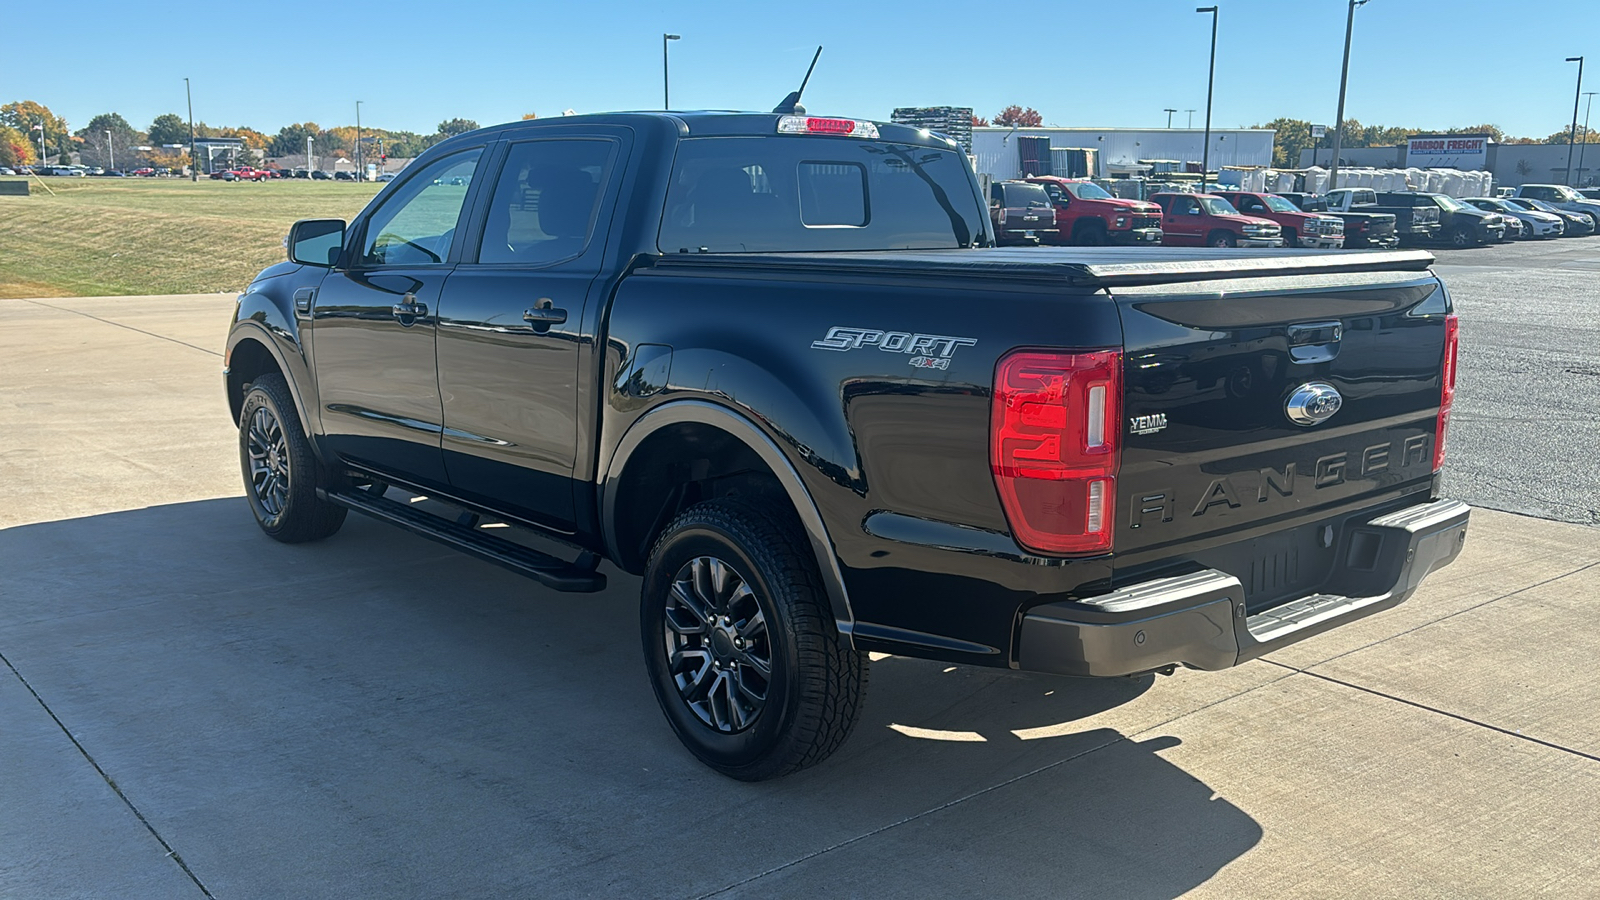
x: 1289, y: 238
x: 1462, y: 237
x: 1223, y: 239
x: 281, y: 472
x: 740, y: 646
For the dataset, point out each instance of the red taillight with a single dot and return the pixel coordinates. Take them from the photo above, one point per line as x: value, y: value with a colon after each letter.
x: 1055, y: 445
x: 1447, y: 388
x: 830, y: 126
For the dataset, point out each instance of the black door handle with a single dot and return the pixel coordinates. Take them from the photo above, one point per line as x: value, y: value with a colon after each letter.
x: 543, y: 314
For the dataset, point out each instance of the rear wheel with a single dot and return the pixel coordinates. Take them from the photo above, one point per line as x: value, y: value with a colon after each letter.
x: 281, y: 473
x: 740, y: 646
x: 1222, y: 239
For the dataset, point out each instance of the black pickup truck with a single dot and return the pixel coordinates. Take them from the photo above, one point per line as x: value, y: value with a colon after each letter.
x: 1361, y: 229
x: 773, y: 365
x: 1413, y: 223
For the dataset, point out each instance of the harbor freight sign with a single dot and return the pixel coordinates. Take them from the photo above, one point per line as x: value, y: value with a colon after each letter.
x: 1449, y: 151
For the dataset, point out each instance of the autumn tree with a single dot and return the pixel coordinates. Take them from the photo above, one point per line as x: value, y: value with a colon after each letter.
x: 23, y: 115
x: 979, y: 123
x: 453, y: 127
x: 15, y: 148
x: 528, y: 116
x: 1585, y: 136
x: 291, y: 139
x: 1016, y: 115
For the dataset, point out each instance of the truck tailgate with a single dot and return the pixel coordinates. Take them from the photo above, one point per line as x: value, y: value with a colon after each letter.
x: 1212, y: 458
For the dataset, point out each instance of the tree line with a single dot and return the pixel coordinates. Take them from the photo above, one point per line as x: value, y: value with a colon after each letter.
x: 28, y: 127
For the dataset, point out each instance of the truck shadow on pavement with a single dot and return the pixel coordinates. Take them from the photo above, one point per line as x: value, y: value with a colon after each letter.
x: 382, y: 714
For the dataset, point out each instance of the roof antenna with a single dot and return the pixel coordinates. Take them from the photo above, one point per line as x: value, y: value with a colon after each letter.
x: 791, y: 104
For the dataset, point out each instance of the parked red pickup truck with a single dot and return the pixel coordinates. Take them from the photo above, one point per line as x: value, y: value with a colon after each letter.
x: 1207, y: 220
x: 1299, y: 228
x: 1087, y: 214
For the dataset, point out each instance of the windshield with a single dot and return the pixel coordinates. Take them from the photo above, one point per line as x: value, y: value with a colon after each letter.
x: 1451, y: 203
x: 1540, y: 205
x: 776, y: 193
x: 1564, y: 192
x: 1088, y: 191
x: 1217, y: 206
x: 1278, y: 204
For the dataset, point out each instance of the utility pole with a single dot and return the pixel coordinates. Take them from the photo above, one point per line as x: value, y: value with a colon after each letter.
x: 1169, y: 113
x: 1191, y: 118
x: 1211, y: 80
x: 666, y: 94
x: 361, y: 170
x: 1588, y: 107
x: 1344, y: 77
x: 194, y: 163
x: 309, y: 165
x: 111, y: 156
x: 1577, y: 95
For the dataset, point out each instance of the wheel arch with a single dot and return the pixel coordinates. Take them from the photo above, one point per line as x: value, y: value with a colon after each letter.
x: 715, y: 442
x: 251, y: 353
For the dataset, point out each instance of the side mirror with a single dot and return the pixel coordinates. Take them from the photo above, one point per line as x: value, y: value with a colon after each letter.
x: 315, y: 242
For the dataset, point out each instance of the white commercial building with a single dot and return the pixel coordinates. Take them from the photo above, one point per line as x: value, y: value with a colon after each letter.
x: 1118, y: 151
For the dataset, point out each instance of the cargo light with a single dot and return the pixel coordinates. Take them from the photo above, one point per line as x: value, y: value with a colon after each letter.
x: 1055, y: 447
x: 1447, y: 388
x: 816, y: 125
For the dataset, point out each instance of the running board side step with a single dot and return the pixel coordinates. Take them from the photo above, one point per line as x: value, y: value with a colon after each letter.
x: 550, y: 571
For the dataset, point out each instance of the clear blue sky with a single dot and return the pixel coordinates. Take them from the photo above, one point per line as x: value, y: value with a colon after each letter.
x: 1084, y: 62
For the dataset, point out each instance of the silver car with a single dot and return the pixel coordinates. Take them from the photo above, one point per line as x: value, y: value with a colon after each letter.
x: 1576, y: 224
x: 1535, y: 224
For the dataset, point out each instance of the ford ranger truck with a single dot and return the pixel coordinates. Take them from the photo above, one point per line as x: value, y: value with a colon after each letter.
x: 1207, y: 220
x: 1299, y: 228
x: 1088, y: 215
x: 772, y: 367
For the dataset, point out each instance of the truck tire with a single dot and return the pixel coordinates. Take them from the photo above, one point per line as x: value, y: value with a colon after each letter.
x: 741, y: 647
x: 1089, y: 234
x: 1222, y: 239
x: 1290, y: 239
x: 1463, y: 237
x: 281, y: 474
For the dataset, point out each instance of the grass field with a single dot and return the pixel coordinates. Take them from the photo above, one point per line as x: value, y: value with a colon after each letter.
x: 108, y: 236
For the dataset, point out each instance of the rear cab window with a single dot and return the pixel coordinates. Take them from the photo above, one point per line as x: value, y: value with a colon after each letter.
x: 751, y: 194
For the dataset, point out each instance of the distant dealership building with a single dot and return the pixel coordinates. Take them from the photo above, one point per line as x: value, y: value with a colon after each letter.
x: 1001, y: 152
x: 954, y: 122
x: 1511, y: 164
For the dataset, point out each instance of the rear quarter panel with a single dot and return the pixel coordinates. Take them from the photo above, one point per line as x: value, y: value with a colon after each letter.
x: 894, y: 454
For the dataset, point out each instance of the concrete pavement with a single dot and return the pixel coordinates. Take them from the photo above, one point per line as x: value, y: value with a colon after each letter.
x: 189, y: 709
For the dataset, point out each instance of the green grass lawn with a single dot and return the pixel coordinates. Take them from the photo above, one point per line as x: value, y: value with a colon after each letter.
x: 109, y: 236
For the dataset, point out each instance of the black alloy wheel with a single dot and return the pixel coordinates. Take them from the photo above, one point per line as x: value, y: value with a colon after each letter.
x: 281, y: 472
x: 740, y: 643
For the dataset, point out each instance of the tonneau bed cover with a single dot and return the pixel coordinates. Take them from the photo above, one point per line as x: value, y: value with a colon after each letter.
x: 1091, y: 267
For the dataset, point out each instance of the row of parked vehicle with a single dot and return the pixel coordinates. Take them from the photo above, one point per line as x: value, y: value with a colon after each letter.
x: 1049, y: 209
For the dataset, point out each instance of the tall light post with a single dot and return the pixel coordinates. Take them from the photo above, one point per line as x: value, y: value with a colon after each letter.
x: 1169, y: 113
x: 1576, y: 96
x: 194, y: 164
x: 39, y: 127
x: 1587, y: 108
x: 1211, y: 80
x: 1191, y: 118
x: 1344, y: 77
x: 666, y: 95
x: 361, y: 170
x: 111, y: 156
x: 309, y: 165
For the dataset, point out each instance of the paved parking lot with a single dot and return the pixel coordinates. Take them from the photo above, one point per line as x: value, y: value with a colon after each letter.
x: 189, y: 709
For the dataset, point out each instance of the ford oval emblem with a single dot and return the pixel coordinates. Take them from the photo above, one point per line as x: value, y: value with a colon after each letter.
x: 1313, y: 404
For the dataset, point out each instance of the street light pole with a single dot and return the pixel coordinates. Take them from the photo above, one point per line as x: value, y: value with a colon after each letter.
x: 666, y: 95
x: 361, y: 171
x: 1211, y: 80
x: 1169, y: 113
x: 1344, y: 78
x: 111, y: 156
x: 1191, y: 118
x: 194, y: 164
x: 1576, y: 96
x: 1588, y: 107
x: 309, y: 165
